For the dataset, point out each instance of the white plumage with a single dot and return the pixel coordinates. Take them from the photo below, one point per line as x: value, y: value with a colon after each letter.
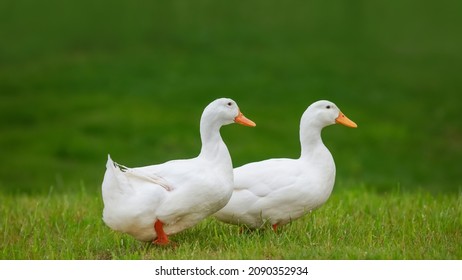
x: 154, y: 201
x: 277, y: 191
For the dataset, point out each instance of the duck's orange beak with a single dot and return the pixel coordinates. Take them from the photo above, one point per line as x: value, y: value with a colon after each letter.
x: 342, y: 119
x: 241, y: 119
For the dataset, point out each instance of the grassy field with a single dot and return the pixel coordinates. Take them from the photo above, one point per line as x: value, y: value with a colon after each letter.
x: 353, y: 225
x: 82, y: 79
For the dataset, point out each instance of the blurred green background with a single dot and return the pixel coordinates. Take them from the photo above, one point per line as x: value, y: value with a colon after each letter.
x: 81, y: 79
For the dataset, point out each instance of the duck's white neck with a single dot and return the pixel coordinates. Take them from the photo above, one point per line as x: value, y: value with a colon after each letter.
x: 310, y: 139
x: 317, y: 156
x: 213, y: 147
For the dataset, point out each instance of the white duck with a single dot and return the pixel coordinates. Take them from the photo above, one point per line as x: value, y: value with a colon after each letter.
x: 277, y: 191
x: 155, y: 201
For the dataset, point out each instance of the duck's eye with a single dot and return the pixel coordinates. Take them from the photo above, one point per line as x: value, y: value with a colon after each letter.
x: 328, y: 107
x: 229, y: 104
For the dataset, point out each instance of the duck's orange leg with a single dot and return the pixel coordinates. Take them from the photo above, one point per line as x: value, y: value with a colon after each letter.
x: 162, y: 238
x: 275, y: 227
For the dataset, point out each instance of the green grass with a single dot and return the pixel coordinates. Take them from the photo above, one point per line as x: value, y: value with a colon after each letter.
x: 354, y: 224
x: 81, y: 79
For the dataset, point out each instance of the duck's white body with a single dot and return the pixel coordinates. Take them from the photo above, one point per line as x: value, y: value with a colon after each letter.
x: 178, y: 193
x: 277, y: 191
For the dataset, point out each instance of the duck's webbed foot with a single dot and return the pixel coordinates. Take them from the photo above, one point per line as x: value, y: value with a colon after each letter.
x: 162, y: 238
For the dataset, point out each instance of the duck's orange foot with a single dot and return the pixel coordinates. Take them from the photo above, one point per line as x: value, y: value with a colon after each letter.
x: 160, y: 242
x: 275, y: 227
x: 162, y: 238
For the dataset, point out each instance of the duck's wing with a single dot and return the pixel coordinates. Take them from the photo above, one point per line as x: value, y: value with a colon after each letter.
x: 125, y: 177
x: 257, y: 187
x: 139, y: 174
x: 264, y: 177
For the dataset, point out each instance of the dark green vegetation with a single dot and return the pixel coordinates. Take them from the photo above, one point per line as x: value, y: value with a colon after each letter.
x: 83, y: 79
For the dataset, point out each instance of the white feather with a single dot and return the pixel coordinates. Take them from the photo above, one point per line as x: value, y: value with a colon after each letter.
x: 277, y: 191
x: 180, y: 193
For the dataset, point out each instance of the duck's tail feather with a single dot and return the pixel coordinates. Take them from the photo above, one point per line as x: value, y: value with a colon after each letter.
x: 125, y: 176
x: 113, y: 179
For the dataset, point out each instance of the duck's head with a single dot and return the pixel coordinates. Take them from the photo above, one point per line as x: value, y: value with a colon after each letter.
x: 225, y: 111
x: 325, y: 113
